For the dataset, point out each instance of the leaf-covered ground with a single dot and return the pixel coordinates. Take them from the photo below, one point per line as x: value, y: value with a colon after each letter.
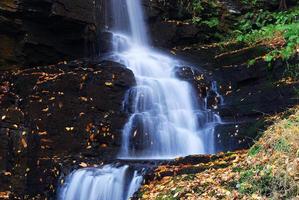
x: 269, y: 170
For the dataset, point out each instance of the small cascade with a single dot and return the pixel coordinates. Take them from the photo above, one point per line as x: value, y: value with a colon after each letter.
x: 105, y: 183
x: 162, y: 117
x: 212, y: 118
x: 214, y: 88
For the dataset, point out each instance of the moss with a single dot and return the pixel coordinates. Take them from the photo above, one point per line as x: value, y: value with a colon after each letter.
x: 282, y: 145
x: 256, y: 129
x: 254, y: 150
x: 256, y: 179
x: 170, y: 195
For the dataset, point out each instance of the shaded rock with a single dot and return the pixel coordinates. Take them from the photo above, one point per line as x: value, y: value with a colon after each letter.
x: 43, y: 32
x: 196, y: 77
x: 56, y: 116
x: 250, y: 92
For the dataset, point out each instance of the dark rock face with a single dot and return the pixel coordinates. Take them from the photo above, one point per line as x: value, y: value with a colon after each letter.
x: 250, y: 92
x: 176, y: 22
x: 38, y: 32
x: 45, y: 31
x: 57, y: 116
x: 170, y: 22
x: 166, y: 26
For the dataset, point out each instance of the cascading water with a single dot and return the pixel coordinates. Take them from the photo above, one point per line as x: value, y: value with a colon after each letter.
x: 164, y: 113
x: 107, y: 183
x: 166, y: 121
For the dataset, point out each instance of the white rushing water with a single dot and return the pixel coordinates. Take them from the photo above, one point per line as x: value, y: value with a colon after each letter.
x: 107, y: 183
x: 166, y: 120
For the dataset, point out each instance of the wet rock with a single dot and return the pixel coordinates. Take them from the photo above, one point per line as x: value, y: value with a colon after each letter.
x: 171, y: 22
x: 106, y: 42
x: 196, y: 77
x: 44, y: 32
x: 250, y: 92
x: 57, y: 116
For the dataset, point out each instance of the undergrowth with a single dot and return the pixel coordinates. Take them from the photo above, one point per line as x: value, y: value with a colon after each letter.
x: 276, y: 29
x: 271, y: 170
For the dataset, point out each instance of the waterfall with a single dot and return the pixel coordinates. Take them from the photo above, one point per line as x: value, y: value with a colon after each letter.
x: 166, y: 121
x: 107, y: 183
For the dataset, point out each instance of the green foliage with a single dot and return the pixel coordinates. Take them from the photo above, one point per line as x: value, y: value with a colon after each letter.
x: 206, y: 12
x: 172, y: 195
x: 292, y: 70
x: 265, y: 25
x: 254, y: 150
x: 261, y: 180
x: 257, y: 179
x: 282, y: 145
x: 260, y: 18
x: 212, y: 22
x: 189, y: 177
x: 278, y: 30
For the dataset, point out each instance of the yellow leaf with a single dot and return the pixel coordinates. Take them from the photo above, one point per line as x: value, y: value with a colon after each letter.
x: 83, y: 99
x: 82, y: 164
x: 45, y: 109
x: 42, y: 133
x: 7, y: 173
x: 108, y: 83
x: 69, y: 128
x: 4, y: 195
x: 24, y: 143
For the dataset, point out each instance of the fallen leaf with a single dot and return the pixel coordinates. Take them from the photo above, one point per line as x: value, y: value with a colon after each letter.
x: 7, y: 173
x: 83, y: 99
x: 45, y: 109
x: 4, y: 195
x: 42, y: 133
x: 69, y: 128
x: 24, y: 143
x: 82, y: 164
x: 108, y: 83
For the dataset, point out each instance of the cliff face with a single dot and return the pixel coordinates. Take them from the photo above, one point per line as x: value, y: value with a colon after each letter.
x: 34, y: 32
x: 58, y: 116
x: 38, y: 32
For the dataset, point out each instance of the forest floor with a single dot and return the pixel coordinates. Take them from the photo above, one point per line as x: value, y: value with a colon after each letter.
x: 270, y: 169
